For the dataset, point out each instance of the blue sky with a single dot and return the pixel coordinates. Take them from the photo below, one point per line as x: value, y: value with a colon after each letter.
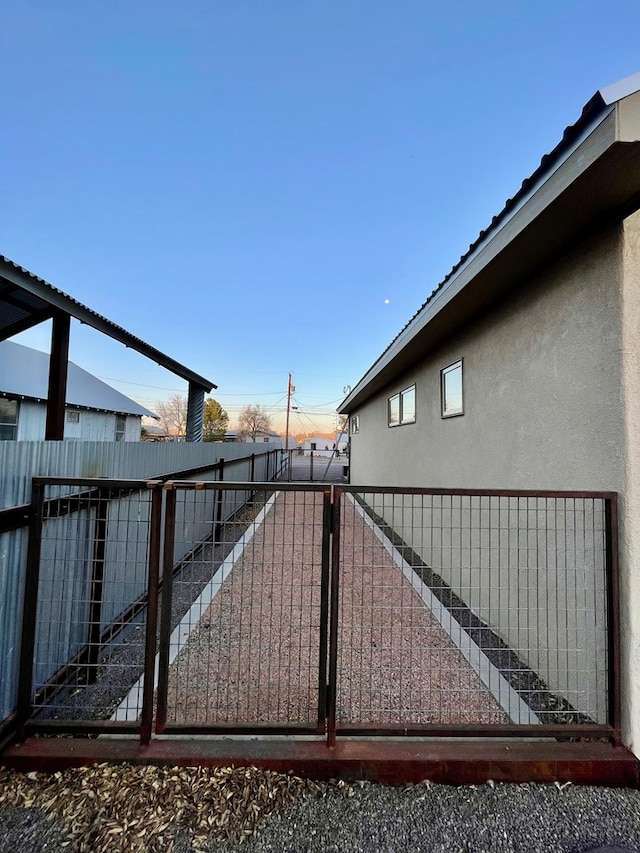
x: 244, y: 183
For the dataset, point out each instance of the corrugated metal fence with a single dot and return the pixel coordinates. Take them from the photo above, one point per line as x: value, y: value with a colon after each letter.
x: 21, y: 461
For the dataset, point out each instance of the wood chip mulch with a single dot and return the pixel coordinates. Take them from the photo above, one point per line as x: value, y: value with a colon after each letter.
x: 146, y: 808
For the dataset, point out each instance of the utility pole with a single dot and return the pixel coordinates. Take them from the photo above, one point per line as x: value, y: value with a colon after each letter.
x: 290, y: 388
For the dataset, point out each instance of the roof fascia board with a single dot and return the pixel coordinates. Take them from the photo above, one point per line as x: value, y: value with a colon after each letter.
x: 85, y: 315
x: 628, y: 115
x: 69, y: 404
x: 593, y: 141
x: 617, y: 91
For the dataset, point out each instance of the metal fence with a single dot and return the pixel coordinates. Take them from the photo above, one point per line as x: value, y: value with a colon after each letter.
x: 505, y: 603
x: 124, y: 514
x: 319, y: 466
x: 321, y: 609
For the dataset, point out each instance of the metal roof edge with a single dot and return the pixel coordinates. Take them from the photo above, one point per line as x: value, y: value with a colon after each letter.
x: 80, y: 380
x: 63, y: 302
x: 622, y: 89
x: 593, y: 114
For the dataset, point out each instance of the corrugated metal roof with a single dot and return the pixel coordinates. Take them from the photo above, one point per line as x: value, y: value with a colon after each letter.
x: 24, y: 372
x: 26, y: 300
x: 592, y: 113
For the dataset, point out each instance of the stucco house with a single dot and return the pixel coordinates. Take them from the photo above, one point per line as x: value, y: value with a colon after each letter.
x: 522, y: 368
x: 94, y: 410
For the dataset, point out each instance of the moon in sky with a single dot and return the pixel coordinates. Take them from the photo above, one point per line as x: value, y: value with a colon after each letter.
x: 386, y: 301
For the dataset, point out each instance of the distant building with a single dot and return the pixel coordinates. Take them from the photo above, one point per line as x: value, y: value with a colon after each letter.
x: 152, y: 432
x: 94, y: 410
x: 260, y: 438
x: 324, y: 442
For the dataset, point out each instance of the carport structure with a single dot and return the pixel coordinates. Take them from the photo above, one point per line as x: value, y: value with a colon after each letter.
x: 27, y: 300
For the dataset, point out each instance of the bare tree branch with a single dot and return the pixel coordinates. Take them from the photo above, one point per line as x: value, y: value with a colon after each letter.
x: 173, y: 415
x: 253, y: 420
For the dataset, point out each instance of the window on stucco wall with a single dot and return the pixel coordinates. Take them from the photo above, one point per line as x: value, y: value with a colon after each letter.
x: 451, y: 390
x: 401, y: 407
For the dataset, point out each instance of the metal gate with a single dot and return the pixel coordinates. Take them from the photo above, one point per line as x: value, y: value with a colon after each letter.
x: 317, y: 609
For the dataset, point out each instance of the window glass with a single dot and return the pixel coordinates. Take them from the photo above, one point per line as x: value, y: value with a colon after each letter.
x: 73, y: 417
x: 408, y: 405
x: 8, y: 419
x: 355, y: 424
x: 120, y: 425
x: 452, y: 390
x: 402, y: 407
x: 394, y: 410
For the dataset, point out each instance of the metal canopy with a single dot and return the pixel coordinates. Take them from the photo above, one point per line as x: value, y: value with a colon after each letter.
x: 27, y: 300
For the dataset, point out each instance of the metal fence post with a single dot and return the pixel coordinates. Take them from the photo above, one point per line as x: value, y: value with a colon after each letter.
x: 219, y: 499
x: 613, y: 615
x: 167, y: 597
x: 324, y: 608
x: 30, y: 606
x: 155, y: 532
x: 332, y: 686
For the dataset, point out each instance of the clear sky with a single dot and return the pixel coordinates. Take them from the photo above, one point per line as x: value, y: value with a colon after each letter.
x: 258, y: 187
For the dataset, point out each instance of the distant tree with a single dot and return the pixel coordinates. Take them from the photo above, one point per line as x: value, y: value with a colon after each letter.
x: 215, y: 422
x: 173, y: 414
x: 252, y: 420
x: 342, y: 423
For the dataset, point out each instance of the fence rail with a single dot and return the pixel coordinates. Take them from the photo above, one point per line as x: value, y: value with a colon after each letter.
x: 246, y: 607
x: 15, y: 521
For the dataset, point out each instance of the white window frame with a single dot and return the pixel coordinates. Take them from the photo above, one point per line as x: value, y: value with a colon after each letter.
x: 446, y: 410
x: 354, y: 424
x: 121, y: 421
x: 399, y: 398
x: 13, y: 424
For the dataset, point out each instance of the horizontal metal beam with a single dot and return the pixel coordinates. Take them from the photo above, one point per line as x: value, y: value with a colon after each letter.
x: 455, y: 763
x: 60, y: 301
x: 15, y: 517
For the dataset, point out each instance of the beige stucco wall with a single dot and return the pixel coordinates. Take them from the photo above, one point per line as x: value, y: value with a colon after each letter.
x: 541, y: 392
x: 630, y: 508
x: 542, y: 401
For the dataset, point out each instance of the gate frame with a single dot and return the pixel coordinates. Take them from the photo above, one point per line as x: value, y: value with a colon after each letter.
x: 612, y: 730
x: 328, y: 639
x: 294, y: 728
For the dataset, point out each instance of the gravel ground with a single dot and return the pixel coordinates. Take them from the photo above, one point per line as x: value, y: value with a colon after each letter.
x: 184, y: 810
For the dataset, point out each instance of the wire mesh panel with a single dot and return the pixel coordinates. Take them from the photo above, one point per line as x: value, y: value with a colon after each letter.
x: 90, y: 600
x: 470, y: 612
x: 248, y: 649
x: 321, y: 466
x: 472, y: 609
